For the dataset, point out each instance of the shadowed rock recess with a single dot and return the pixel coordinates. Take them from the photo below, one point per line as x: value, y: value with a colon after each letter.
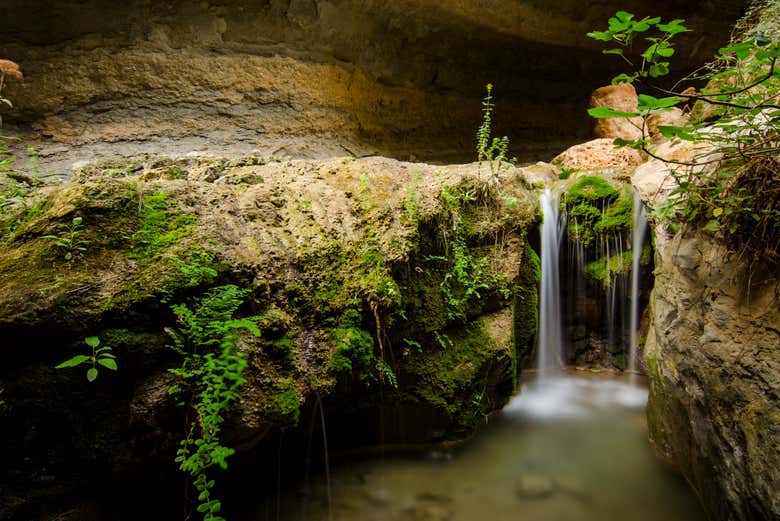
x: 314, y: 78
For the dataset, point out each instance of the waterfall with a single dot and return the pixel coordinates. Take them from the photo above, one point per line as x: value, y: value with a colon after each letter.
x: 639, y: 228
x: 550, y: 346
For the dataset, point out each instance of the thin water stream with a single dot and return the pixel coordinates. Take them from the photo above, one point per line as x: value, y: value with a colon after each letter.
x: 569, y: 448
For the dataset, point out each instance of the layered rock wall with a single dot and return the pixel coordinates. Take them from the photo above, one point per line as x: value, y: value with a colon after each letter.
x: 312, y: 78
x: 713, y: 355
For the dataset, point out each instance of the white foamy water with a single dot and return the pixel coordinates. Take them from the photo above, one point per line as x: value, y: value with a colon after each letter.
x: 574, y: 397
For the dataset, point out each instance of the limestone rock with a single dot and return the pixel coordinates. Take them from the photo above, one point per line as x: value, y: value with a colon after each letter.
x: 673, y: 118
x: 599, y: 154
x: 620, y: 97
x: 714, y: 369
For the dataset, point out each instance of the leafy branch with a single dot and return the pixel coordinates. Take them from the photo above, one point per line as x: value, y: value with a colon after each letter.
x: 732, y: 186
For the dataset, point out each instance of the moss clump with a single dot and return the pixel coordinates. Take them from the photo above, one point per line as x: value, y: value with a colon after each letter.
x: 590, y: 189
x: 160, y: 227
x: 586, y: 203
x: 452, y: 371
x: 354, y: 351
x: 618, y: 216
x: 285, y: 405
x: 525, y: 312
x: 604, y: 268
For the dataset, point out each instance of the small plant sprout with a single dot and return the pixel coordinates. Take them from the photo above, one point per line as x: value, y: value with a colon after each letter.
x: 71, y: 243
x: 100, y: 355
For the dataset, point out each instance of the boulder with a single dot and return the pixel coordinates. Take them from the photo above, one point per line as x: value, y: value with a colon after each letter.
x: 620, y: 97
x: 599, y: 154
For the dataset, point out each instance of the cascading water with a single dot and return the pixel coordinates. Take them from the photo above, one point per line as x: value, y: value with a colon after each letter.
x: 639, y: 228
x: 550, y: 335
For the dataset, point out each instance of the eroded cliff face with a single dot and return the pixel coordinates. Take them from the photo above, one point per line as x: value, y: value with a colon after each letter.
x: 312, y: 78
x: 713, y: 359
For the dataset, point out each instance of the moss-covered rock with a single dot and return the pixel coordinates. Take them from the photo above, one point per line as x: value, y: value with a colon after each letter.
x: 372, y: 281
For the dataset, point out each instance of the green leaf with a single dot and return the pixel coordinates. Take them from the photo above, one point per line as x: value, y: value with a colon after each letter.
x: 92, y: 374
x: 649, y: 102
x: 671, y: 132
x: 712, y: 226
x: 92, y: 341
x: 673, y: 27
x: 107, y: 362
x: 612, y: 51
x: 659, y: 69
x: 606, y: 112
x: 717, y: 212
x: 76, y: 360
x: 603, y: 36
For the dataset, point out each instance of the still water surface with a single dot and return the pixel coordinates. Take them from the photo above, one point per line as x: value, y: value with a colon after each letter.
x: 571, y: 448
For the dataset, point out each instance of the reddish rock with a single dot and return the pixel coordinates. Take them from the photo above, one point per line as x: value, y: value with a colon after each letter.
x: 620, y: 97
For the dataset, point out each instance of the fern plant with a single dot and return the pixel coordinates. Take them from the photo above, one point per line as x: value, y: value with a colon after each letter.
x: 212, y: 371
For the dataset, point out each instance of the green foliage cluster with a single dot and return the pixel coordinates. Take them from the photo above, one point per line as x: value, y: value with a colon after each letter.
x: 160, y: 227
x: 100, y: 356
x: 731, y: 188
x: 208, y: 337
x: 70, y: 242
x: 489, y: 148
x: 465, y: 276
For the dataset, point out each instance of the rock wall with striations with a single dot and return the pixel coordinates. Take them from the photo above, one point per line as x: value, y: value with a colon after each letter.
x: 313, y: 78
x: 713, y: 357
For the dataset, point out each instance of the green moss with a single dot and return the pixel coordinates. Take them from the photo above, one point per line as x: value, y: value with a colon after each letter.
x: 618, y: 216
x: 525, y: 311
x: 285, y: 406
x: 615, y: 265
x: 354, y: 352
x: 590, y: 189
x: 451, y: 373
x: 159, y: 228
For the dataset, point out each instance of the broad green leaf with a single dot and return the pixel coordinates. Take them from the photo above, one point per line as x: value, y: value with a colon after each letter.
x: 742, y: 50
x: 92, y: 374
x: 717, y: 212
x: 612, y: 51
x: 658, y: 69
x: 76, y: 360
x: 107, y: 362
x: 92, y: 341
x: 603, y: 36
x: 647, y: 102
x: 606, y: 112
x: 671, y: 132
x: 673, y: 27
x: 77, y: 221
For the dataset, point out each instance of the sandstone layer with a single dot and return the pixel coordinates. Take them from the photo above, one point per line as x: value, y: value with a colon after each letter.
x: 313, y: 78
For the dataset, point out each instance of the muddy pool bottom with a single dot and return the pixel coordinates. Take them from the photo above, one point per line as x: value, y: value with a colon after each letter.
x: 572, y: 447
